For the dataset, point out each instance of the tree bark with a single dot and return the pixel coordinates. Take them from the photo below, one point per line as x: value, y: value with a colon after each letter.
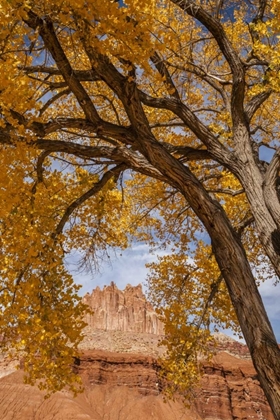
x: 268, y: 231
x: 257, y: 187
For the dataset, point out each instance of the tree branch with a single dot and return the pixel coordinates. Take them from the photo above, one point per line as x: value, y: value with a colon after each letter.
x: 112, y: 173
x: 216, y: 29
x: 226, y: 191
x: 40, y: 169
x: 120, y: 154
x: 81, y: 75
x: 188, y: 153
x: 210, y: 79
x: 214, y: 147
x: 243, y: 224
x: 47, y: 32
x: 53, y: 99
x: 163, y: 71
x: 254, y: 104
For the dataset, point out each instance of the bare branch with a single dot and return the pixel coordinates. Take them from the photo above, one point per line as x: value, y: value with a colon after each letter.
x: 123, y: 134
x: 226, y: 191
x: 216, y: 111
x: 119, y: 154
x: 214, y: 290
x: 81, y: 75
x: 243, y: 224
x: 188, y: 153
x: 209, y: 78
x: 260, y: 13
x: 257, y: 18
x: 40, y: 169
x: 168, y: 124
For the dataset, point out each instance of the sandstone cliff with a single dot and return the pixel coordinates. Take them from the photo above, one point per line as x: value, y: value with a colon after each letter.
x: 122, y: 310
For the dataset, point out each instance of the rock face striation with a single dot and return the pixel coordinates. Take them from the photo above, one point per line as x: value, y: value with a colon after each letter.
x: 122, y: 386
x: 120, y: 372
x: 229, y: 390
x: 122, y: 310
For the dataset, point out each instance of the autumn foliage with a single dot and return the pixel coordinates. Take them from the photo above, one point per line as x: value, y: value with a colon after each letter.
x: 139, y: 120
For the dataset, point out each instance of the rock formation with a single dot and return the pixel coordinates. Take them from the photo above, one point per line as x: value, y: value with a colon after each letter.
x: 120, y: 373
x: 127, y: 310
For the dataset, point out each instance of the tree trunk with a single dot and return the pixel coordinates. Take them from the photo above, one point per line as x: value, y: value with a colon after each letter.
x: 250, y: 311
x: 267, y: 229
x: 256, y: 189
x: 245, y: 297
x: 235, y: 268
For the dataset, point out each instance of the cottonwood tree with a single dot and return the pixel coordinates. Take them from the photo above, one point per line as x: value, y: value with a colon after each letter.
x: 183, y: 98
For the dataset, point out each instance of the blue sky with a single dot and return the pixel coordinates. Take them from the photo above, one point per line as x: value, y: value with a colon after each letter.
x: 129, y: 267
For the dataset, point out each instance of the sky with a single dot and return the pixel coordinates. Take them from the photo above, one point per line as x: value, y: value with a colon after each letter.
x: 129, y: 267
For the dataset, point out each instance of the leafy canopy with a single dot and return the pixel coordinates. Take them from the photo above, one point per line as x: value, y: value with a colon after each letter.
x: 69, y: 71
